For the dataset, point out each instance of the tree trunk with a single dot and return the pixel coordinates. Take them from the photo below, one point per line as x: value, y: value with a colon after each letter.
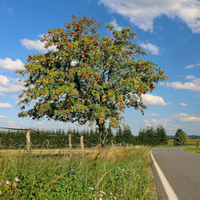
x: 102, y: 134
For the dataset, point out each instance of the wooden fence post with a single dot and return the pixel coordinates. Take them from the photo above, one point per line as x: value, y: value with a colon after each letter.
x: 111, y: 143
x: 70, y: 146
x: 82, y: 146
x: 28, y: 140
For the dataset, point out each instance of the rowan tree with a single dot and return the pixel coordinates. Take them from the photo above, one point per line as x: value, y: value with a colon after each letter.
x: 89, y: 77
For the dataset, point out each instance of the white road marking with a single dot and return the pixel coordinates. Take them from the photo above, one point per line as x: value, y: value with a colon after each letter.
x: 168, y: 189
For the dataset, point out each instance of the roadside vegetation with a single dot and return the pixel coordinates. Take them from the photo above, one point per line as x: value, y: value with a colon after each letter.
x: 112, y: 172
x: 192, y: 145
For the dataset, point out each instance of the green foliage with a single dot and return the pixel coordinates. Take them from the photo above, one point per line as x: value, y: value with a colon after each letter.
x: 90, y: 78
x: 123, y: 176
x: 180, y: 137
x: 125, y: 136
x: 52, y: 138
x: 152, y: 136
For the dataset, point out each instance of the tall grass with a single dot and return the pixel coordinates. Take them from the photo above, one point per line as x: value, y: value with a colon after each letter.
x: 109, y: 173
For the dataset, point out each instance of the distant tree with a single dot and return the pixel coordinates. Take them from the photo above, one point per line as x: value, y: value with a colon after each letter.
x: 161, y: 135
x: 109, y: 135
x: 152, y: 136
x: 119, y: 138
x: 128, y: 137
x: 89, y: 78
x: 180, y: 137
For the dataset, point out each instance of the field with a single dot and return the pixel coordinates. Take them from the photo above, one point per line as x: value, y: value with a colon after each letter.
x: 190, y: 142
x: 109, y: 173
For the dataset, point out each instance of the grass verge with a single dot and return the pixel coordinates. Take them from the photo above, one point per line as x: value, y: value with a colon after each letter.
x: 109, y: 173
x: 193, y: 149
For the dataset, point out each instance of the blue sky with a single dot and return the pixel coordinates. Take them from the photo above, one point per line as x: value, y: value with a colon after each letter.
x: 168, y: 31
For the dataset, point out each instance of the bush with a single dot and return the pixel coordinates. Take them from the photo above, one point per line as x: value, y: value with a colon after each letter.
x: 180, y: 137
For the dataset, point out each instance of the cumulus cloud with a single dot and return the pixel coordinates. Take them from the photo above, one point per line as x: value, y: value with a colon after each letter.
x: 151, y: 100
x: 142, y: 13
x: 190, y: 77
x: 147, y: 123
x: 4, y: 80
x: 186, y: 118
x: 165, y: 123
x: 193, y: 85
x: 153, y: 49
x: 10, y: 87
x: 36, y: 45
x: 11, y: 122
x: 8, y: 64
x: 152, y: 114
x: 114, y: 23
x: 5, y: 105
x: 2, y: 95
x: 183, y: 104
x: 3, y: 117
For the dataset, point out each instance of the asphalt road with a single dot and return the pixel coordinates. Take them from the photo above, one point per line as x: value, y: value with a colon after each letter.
x: 182, y: 170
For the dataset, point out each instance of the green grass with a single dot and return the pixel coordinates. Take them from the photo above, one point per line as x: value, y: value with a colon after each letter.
x: 190, y: 141
x: 193, y: 149
x: 110, y: 173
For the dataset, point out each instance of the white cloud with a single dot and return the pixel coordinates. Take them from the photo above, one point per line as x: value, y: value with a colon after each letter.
x: 183, y: 104
x: 39, y: 123
x: 3, y: 117
x: 186, y: 118
x: 189, y: 66
x: 165, y: 123
x: 162, y: 83
x: 153, y: 49
x: 8, y: 64
x: 114, y: 23
x: 4, y: 80
x: 2, y: 95
x: 190, y: 77
x: 11, y: 88
x: 37, y: 45
x: 21, y: 122
x: 147, y: 123
x: 7, y: 86
x: 5, y: 105
x: 152, y: 114
x: 193, y: 85
x: 150, y: 100
x: 11, y: 122
x: 142, y: 13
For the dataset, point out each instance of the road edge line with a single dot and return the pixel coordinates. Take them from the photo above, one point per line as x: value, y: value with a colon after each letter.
x: 168, y: 189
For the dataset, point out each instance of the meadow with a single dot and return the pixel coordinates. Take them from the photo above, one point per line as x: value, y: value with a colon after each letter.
x: 108, y: 173
x: 190, y: 142
x: 191, y: 145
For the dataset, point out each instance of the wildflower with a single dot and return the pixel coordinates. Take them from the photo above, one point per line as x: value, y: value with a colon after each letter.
x: 15, y: 183
x: 7, y: 184
x: 91, y: 188
x: 0, y: 193
x: 103, y: 192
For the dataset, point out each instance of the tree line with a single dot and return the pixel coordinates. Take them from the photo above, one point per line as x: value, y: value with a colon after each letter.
x: 59, y: 138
